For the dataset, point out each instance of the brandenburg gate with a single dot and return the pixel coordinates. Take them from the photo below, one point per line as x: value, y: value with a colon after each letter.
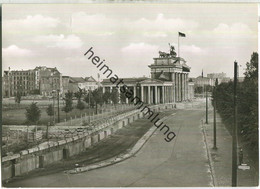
x: 168, y: 82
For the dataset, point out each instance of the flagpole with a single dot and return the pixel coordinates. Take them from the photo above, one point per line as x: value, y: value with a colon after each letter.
x: 178, y: 45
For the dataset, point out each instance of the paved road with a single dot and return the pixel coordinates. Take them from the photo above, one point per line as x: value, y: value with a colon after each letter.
x: 181, y: 162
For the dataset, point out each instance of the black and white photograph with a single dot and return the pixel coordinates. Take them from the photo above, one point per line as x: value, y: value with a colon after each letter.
x: 129, y: 94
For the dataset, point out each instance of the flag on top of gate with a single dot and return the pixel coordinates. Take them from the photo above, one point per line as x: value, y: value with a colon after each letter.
x: 182, y: 34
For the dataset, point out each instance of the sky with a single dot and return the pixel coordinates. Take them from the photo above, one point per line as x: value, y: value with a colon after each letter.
x: 128, y: 36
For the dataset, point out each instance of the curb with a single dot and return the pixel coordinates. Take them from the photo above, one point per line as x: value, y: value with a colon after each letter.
x: 121, y: 157
x: 212, y: 170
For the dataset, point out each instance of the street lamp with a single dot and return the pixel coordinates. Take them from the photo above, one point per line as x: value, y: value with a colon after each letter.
x: 53, y: 97
x: 206, y: 105
x: 89, y: 105
x: 215, y: 124
x: 58, y: 91
x: 234, y: 131
x: 205, y: 90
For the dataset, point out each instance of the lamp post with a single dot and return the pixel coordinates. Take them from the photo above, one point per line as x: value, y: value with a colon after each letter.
x: 215, y: 123
x: 53, y: 102
x: 58, y: 92
x: 89, y: 105
x: 53, y: 98
x: 234, y: 133
x: 206, y: 105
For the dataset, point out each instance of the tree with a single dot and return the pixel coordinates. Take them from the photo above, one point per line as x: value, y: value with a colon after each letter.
x: 247, y: 104
x: 106, y: 97
x: 33, y: 113
x: 98, y: 97
x: 18, y: 98
x: 80, y: 105
x: 50, y: 111
x: 208, y: 88
x: 115, y: 96
x: 89, y: 99
x: 68, y: 102
x: 252, y: 67
x: 78, y: 95
x: 122, y: 97
x: 198, y: 90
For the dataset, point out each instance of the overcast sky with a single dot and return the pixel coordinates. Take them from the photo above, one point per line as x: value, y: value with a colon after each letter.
x: 128, y: 36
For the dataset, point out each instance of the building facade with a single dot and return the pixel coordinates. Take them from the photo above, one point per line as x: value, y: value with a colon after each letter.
x: 21, y: 82
x: 87, y: 83
x: 211, y: 79
x: 49, y: 80
x: 65, y: 84
x: 202, y: 81
x: 41, y: 80
x: 168, y: 83
x: 90, y: 84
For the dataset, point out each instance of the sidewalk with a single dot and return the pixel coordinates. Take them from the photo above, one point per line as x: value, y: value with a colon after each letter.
x: 222, y: 157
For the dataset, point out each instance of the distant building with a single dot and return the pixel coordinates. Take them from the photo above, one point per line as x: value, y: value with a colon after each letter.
x: 20, y: 81
x: 224, y: 80
x: 41, y: 80
x: 217, y: 75
x: 49, y: 80
x: 211, y: 79
x: 169, y: 81
x: 91, y: 83
x: 202, y: 81
x: 240, y: 79
x: 76, y: 83
x: 191, y: 90
x: 65, y: 84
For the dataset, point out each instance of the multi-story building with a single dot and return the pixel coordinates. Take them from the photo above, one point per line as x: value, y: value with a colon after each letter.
x: 202, y: 81
x: 41, y: 80
x: 65, y: 84
x: 89, y: 83
x: 217, y: 75
x: 49, y: 80
x: 211, y: 79
x: 20, y: 81
x: 222, y: 77
x: 75, y: 83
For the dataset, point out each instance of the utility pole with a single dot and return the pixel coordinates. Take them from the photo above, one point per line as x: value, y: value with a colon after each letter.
x: 215, y: 124
x: 206, y: 105
x: 9, y: 82
x: 58, y: 91
x: 53, y: 97
x: 89, y: 105
x: 53, y: 102
x: 234, y: 133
